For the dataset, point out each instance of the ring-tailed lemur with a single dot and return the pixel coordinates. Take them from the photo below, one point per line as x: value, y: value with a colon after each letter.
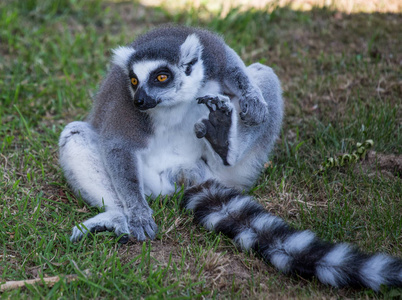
x: 180, y: 107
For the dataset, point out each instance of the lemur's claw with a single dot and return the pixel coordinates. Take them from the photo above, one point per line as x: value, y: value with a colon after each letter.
x: 215, y: 103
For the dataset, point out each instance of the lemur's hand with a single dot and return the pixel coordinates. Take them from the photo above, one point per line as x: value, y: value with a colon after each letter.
x: 114, y: 221
x: 216, y: 128
x: 134, y: 226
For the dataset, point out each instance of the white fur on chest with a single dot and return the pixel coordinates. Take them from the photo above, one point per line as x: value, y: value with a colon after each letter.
x: 173, y: 149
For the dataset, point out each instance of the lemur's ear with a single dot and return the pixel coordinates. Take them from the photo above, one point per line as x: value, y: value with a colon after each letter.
x: 121, y: 55
x: 190, y: 52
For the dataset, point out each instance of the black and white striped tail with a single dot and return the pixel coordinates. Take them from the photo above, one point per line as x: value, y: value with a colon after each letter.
x: 238, y: 216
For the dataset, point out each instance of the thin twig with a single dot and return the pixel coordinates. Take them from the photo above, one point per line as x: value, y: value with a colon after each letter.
x: 50, y: 281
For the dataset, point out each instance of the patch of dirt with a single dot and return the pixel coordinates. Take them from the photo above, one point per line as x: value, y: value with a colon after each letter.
x: 389, y: 165
x: 219, y: 268
x: 224, y: 269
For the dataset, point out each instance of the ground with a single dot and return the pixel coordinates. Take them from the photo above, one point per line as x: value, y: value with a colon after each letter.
x: 340, y: 68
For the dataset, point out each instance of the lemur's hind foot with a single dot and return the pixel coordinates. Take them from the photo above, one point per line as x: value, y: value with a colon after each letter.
x: 253, y: 110
x: 216, y: 129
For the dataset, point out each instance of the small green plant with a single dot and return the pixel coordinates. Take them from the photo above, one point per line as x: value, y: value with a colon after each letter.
x: 347, y: 158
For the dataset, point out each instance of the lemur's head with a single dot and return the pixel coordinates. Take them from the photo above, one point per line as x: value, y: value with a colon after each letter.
x: 163, y: 71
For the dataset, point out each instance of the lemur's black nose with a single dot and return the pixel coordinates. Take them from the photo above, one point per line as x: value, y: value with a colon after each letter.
x: 139, y: 102
x: 143, y: 101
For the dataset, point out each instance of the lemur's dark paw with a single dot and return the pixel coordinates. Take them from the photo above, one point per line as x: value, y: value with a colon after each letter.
x: 253, y: 111
x: 216, y: 128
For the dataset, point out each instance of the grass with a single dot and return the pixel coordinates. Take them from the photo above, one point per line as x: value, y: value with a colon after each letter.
x: 342, y: 84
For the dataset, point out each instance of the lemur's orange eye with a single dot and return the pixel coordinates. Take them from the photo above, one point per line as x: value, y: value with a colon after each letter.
x: 134, y: 81
x: 162, y: 77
